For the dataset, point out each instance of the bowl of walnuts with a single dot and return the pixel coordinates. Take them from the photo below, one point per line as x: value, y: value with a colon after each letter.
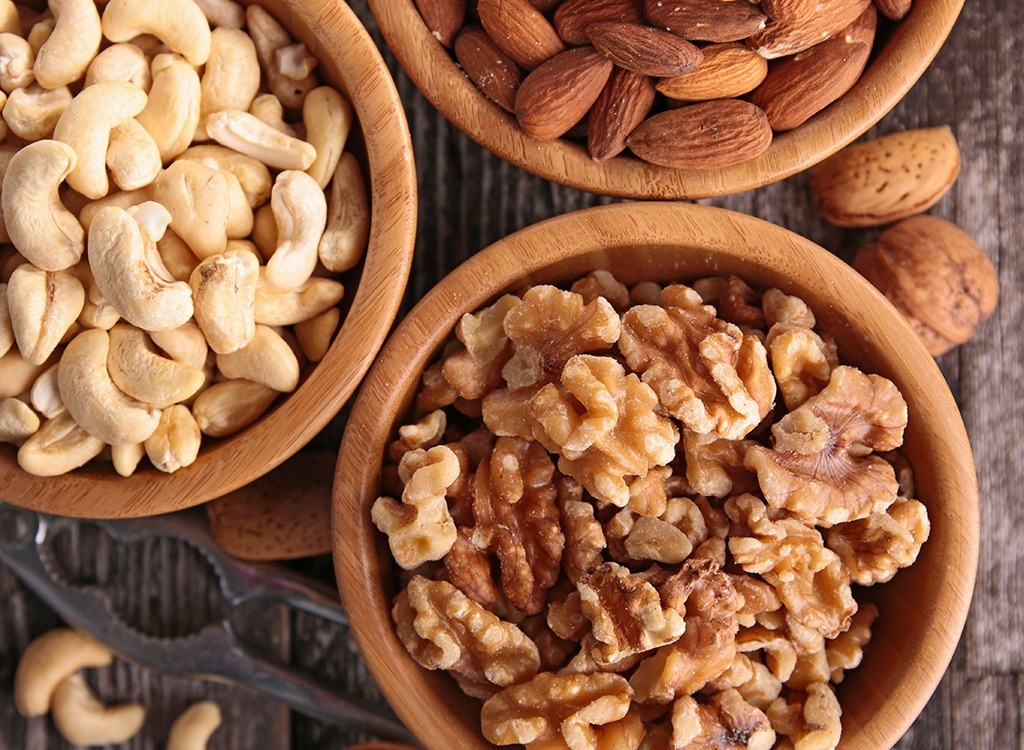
x: 664, y: 100
x: 208, y: 214
x: 651, y: 476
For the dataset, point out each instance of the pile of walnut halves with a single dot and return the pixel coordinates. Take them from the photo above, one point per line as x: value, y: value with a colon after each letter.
x: 650, y: 541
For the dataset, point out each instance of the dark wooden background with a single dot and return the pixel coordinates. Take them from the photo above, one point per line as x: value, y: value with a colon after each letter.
x: 468, y: 199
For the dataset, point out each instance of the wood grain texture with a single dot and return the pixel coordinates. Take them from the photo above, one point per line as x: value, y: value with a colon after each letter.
x: 470, y: 198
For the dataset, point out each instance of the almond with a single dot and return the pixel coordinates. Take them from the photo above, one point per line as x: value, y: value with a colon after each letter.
x: 803, y: 31
x: 643, y: 49
x: 559, y: 93
x: 895, y: 10
x: 703, y: 136
x: 574, y: 16
x: 800, y: 86
x: 520, y: 31
x: 881, y: 181
x: 622, y: 106
x: 493, y: 72
x: 789, y: 10
x: 444, y: 18
x: 706, y: 20
x: 726, y: 72
x: 545, y: 6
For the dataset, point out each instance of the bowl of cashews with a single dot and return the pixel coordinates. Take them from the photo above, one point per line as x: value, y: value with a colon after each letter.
x: 209, y: 212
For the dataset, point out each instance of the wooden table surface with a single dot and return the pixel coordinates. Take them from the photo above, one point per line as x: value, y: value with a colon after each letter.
x: 468, y: 199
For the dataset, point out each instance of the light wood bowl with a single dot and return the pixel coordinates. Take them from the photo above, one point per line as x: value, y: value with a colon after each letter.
x: 890, y: 75
x: 922, y: 610
x: 350, y: 61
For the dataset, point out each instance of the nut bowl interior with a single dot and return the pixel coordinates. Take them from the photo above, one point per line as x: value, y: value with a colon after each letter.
x: 890, y: 74
x: 923, y: 608
x: 348, y: 60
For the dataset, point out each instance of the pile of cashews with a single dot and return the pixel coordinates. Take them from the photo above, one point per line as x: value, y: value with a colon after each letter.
x: 49, y: 681
x: 177, y: 202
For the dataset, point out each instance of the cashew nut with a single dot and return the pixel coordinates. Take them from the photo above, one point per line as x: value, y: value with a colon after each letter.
x: 133, y: 156
x: 16, y: 58
x: 43, y: 305
x: 126, y: 457
x: 348, y: 219
x: 224, y: 294
x: 240, y: 217
x: 32, y: 112
x: 175, y: 444
x: 17, y: 421
x: 72, y: 44
x: 267, y: 359
x: 328, y: 120
x: 178, y: 258
x: 300, y: 211
x: 185, y: 344
x: 83, y: 720
x: 278, y: 307
x: 252, y: 174
x: 4, y: 130
x: 120, y: 62
x: 249, y: 135
x: 231, y: 78
x: 17, y: 374
x: 193, y: 729
x: 172, y: 111
x: 6, y: 329
x: 269, y: 109
x: 227, y: 407
x: 294, y: 62
x: 97, y: 312
x: 58, y: 447
x: 126, y: 200
x: 7, y: 152
x: 42, y: 229
x: 179, y: 24
x: 10, y: 19
x: 49, y: 660
x: 198, y: 199
x: 269, y: 37
x: 129, y: 272
x: 223, y: 13
x: 264, y: 231
x: 86, y: 125
x: 315, y: 335
x: 40, y: 33
x: 137, y: 369
x: 45, y: 394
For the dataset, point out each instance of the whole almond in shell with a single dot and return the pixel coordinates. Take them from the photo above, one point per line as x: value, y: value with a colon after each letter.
x: 799, y: 87
x: 703, y: 136
x: 644, y: 49
x: 622, y: 106
x: 493, y: 72
x: 559, y: 93
x: 936, y: 276
x: 727, y: 71
x: 520, y: 31
x: 789, y: 37
x: 444, y: 18
x: 881, y: 181
x: 895, y: 10
x: 574, y: 16
x: 706, y: 20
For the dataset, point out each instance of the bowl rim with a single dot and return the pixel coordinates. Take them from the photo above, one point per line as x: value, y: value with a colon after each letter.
x: 914, y: 44
x: 359, y: 559
x: 239, y: 459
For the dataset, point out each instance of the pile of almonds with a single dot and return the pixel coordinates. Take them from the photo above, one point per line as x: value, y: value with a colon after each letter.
x: 664, y: 79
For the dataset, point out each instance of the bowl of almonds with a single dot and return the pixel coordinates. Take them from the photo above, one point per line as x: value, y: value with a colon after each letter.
x: 665, y: 100
x: 655, y: 476
x: 208, y: 216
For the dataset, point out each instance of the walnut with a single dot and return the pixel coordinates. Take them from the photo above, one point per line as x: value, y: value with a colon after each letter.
x: 762, y: 688
x: 706, y: 372
x: 727, y: 722
x: 553, y: 649
x: 805, y: 640
x: 420, y: 528
x: 739, y: 672
x: 548, y: 706
x: 709, y: 289
x: 601, y: 283
x: 809, y: 669
x: 645, y: 293
x: 506, y: 412
x: 638, y: 538
x: 740, y: 304
x: 626, y: 734
x: 904, y: 472
x: 648, y: 495
x: 423, y: 434
x: 779, y: 653
x: 714, y: 465
x: 874, y: 548
x: 847, y: 650
x: 626, y: 613
x: 566, y: 619
x: 443, y: 629
x: 549, y: 328
x: 809, y: 719
x: 758, y: 597
x: 618, y: 436
x: 584, y: 537
x: 435, y: 392
x: 468, y: 568
x: 475, y: 370
x: 801, y: 363
x: 820, y: 468
x: 780, y: 307
x: 583, y: 662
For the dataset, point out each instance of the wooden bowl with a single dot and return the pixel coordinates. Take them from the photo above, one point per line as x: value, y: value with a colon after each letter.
x: 350, y: 61
x: 922, y: 610
x: 896, y: 68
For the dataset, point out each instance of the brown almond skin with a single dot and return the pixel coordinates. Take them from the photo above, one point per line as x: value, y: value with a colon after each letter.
x: 789, y: 10
x: 936, y: 276
x: 444, y: 18
x: 790, y: 37
x: 799, y: 87
x: 703, y: 136
x: 520, y: 31
x: 623, y: 105
x: 894, y: 10
x: 559, y: 93
x: 706, y: 20
x: 644, y: 49
x: 574, y: 16
x: 490, y: 69
x: 727, y: 71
